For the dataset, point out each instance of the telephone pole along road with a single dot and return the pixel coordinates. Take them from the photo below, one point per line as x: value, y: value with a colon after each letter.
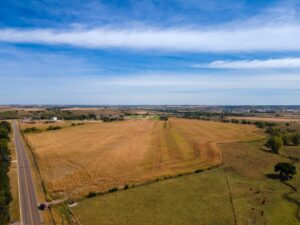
x: 28, y: 204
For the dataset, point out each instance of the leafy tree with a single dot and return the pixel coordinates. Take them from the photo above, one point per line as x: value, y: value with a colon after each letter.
x: 275, y: 143
x: 260, y: 124
x: 4, y: 133
x: 6, y: 125
x: 286, y: 170
x: 5, y: 195
x: 296, y: 139
x: 163, y: 117
x: 286, y: 139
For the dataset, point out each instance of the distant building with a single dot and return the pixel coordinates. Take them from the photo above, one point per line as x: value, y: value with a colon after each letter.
x: 54, y: 118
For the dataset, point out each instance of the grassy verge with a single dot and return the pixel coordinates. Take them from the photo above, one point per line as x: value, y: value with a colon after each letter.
x: 13, y: 178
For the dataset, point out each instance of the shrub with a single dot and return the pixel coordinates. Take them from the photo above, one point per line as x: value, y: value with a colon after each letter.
x: 198, y: 171
x: 91, y: 195
x: 31, y: 130
x: 113, y: 189
x: 126, y: 186
x: 53, y: 128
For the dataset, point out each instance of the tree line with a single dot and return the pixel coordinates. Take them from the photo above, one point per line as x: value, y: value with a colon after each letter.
x: 5, y: 195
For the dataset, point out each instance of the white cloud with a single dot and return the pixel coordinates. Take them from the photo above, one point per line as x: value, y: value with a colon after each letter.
x: 282, y: 63
x: 228, y: 39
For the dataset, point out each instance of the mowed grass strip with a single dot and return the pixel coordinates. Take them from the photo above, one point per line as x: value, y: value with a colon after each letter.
x: 99, y: 156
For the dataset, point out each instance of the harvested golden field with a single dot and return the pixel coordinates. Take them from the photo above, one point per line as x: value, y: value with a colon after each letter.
x: 99, y: 156
x: 267, y: 119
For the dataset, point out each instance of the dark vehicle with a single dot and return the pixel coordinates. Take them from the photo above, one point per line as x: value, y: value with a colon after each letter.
x: 42, y: 206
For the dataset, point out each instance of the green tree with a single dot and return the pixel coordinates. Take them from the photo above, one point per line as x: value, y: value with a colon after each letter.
x: 286, y: 139
x: 286, y: 170
x: 6, y: 125
x: 296, y: 139
x: 4, y: 133
x: 275, y: 143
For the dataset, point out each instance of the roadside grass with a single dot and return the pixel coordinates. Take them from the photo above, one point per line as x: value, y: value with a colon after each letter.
x: 13, y: 179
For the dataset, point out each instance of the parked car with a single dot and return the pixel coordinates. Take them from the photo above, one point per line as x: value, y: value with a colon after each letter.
x: 42, y: 206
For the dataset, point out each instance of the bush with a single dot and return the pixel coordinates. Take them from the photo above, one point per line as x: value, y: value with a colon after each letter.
x: 113, y: 189
x: 198, y: 171
x: 31, y: 130
x: 91, y: 195
x: 53, y: 128
x: 126, y: 186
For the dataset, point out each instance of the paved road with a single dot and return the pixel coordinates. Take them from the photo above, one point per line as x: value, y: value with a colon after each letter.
x: 28, y: 203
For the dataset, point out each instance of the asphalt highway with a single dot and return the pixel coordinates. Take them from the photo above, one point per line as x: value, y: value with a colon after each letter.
x: 27, y: 199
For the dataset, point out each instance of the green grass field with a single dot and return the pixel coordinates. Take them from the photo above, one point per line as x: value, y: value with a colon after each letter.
x: 204, y: 198
x: 183, y: 200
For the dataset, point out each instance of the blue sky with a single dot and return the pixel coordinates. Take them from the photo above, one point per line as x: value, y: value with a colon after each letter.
x: 149, y: 52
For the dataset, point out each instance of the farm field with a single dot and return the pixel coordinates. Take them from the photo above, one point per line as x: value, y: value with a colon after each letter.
x: 98, y: 156
x: 42, y: 125
x: 267, y: 119
x: 204, y: 198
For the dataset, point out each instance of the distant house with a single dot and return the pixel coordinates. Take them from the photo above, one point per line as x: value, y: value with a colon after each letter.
x: 54, y: 118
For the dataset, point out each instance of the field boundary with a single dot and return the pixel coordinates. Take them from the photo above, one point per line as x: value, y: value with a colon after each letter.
x: 230, y: 197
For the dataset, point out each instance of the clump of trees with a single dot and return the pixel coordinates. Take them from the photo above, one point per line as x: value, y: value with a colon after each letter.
x: 76, y: 124
x: 5, y: 195
x: 31, y: 130
x: 12, y: 114
x: 163, y: 117
x: 281, y: 138
x: 54, y: 128
x: 286, y: 170
x: 112, y: 118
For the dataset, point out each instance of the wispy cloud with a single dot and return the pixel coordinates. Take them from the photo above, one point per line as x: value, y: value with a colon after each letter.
x: 264, y: 38
x: 282, y: 63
